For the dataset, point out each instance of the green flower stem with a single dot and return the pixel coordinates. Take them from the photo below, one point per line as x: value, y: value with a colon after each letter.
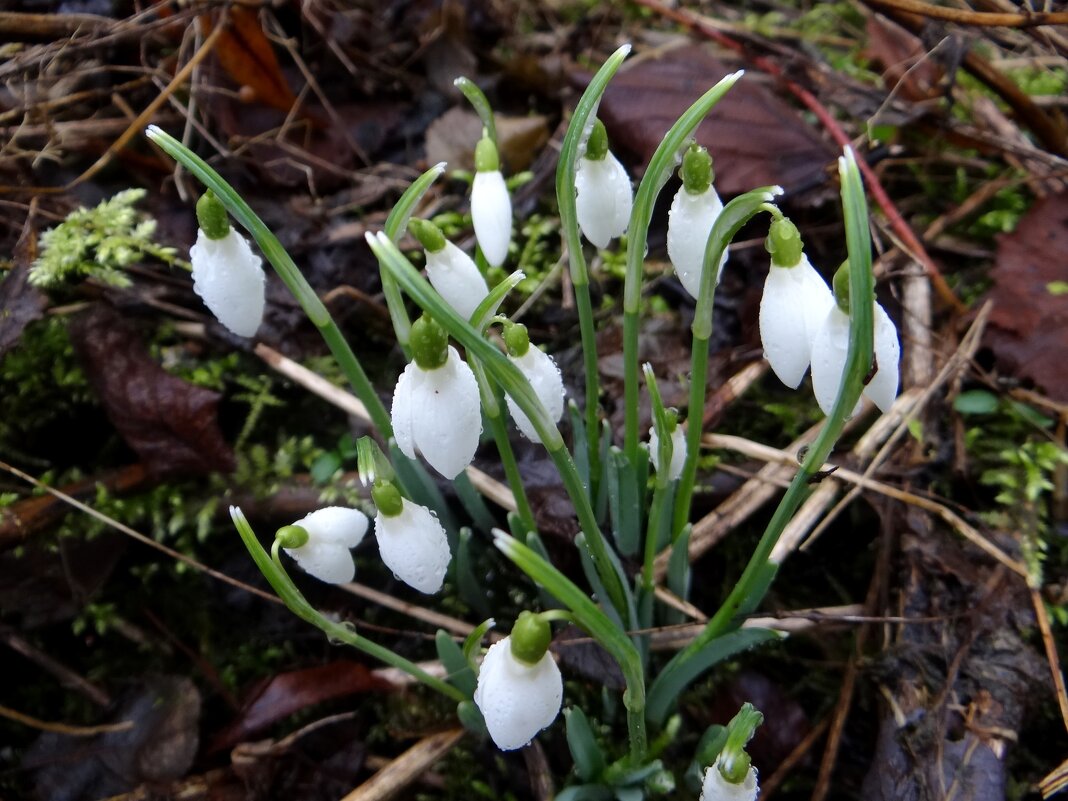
x: 396, y: 224
x: 492, y: 406
x: 478, y: 101
x: 292, y: 597
x: 753, y: 583
x: 661, y: 165
x: 734, y: 215
x: 287, y: 271
x: 598, y: 625
x: 515, y: 384
x: 580, y: 278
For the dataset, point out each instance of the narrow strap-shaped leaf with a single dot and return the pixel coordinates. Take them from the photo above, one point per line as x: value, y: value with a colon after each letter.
x: 457, y: 670
x: 585, y: 752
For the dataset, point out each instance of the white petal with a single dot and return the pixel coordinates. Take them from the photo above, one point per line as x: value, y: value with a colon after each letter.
x: 795, y: 303
x: 678, y: 451
x: 517, y: 700
x: 604, y: 199
x: 544, y: 376
x: 326, y: 561
x: 829, y: 351
x: 229, y: 277
x: 403, y: 407
x: 882, y: 389
x: 337, y: 525
x: 689, y: 223
x: 456, y: 278
x: 491, y: 213
x: 446, y: 416
x: 717, y: 788
x: 414, y: 546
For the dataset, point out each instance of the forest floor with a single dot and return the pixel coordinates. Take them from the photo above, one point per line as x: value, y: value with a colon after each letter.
x: 926, y: 589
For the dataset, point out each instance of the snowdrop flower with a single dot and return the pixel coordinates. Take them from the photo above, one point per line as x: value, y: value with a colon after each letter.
x: 716, y: 786
x: 519, y: 689
x: 795, y: 303
x: 436, y: 403
x: 542, y: 373
x: 227, y: 275
x: 604, y: 195
x: 451, y: 271
x: 491, y: 208
x: 410, y: 539
x: 831, y: 346
x: 320, y: 542
x: 678, y: 449
x: 693, y: 213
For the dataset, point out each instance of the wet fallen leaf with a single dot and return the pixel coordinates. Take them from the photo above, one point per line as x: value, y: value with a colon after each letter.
x: 171, y: 424
x: 588, y: 659
x: 1028, y: 329
x: 20, y: 302
x: 452, y: 138
x: 159, y: 747
x: 247, y: 55
x: 755, y: 139
x: 291, y: 692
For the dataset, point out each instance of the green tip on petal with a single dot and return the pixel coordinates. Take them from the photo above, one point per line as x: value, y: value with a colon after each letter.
x: 387, y: 498
x: 840, y: 284
x: 212, y: 217
x: 486, y: 158
x: 291, y: 536
x: 597, y: 145
x: 530, y: 638
x: 696, y: 170
x: 671, y: 416
x: 429, y: 343
x: 784, y: 243
x: 516, y: 339
x: 428, y: 234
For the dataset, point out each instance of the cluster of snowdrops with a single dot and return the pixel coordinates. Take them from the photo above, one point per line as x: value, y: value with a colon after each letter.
x: 440, y: 400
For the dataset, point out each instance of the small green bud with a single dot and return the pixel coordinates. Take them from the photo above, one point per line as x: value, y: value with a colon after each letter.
x: 291, y: 536
x: 672, y: 418
x: 486, y: 158
x: 211, y: 216
x: 696, y: 170
x: 387, y: 498
x: 840, y: 284
x: 516, y: 339
x: 530, y: 638
x: 784, y: 243
x: 428, y: 234
x: 735, y: 767
x: 429, y: 343
x: 597, y: 144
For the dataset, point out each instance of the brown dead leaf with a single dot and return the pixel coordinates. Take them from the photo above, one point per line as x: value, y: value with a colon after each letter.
x: 171, y: 424
x: 20, y: 302
x: 452, y: 138
x: 291, y: 692
x: 1028, y: 328
x: 907, y: 69
x: 755, y: 139
x: 247, y: 55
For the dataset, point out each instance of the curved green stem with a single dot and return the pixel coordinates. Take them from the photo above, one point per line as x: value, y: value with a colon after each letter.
x: 477, y: 98
x: 754, y: 581
x: 287, y: 271
x: 275, y: 574
x: 734, y: 215
x: 656, y: 175
x: 582, y: 117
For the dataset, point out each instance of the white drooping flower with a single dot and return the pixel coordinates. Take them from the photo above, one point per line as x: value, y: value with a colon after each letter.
x: 451, y: 271
x: 830, y: 348
x: 678, y: 451
x: 693, y: 213
x: 541, y: 371
x: 332, y: 532
x: 413, y: 544
x: 604, y: 200
x: 491, y: 207
x: 715, y: 786
x: 229, y: 278
x: 517, y: 699
x: 436, y: 409
x: 793, y: 307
